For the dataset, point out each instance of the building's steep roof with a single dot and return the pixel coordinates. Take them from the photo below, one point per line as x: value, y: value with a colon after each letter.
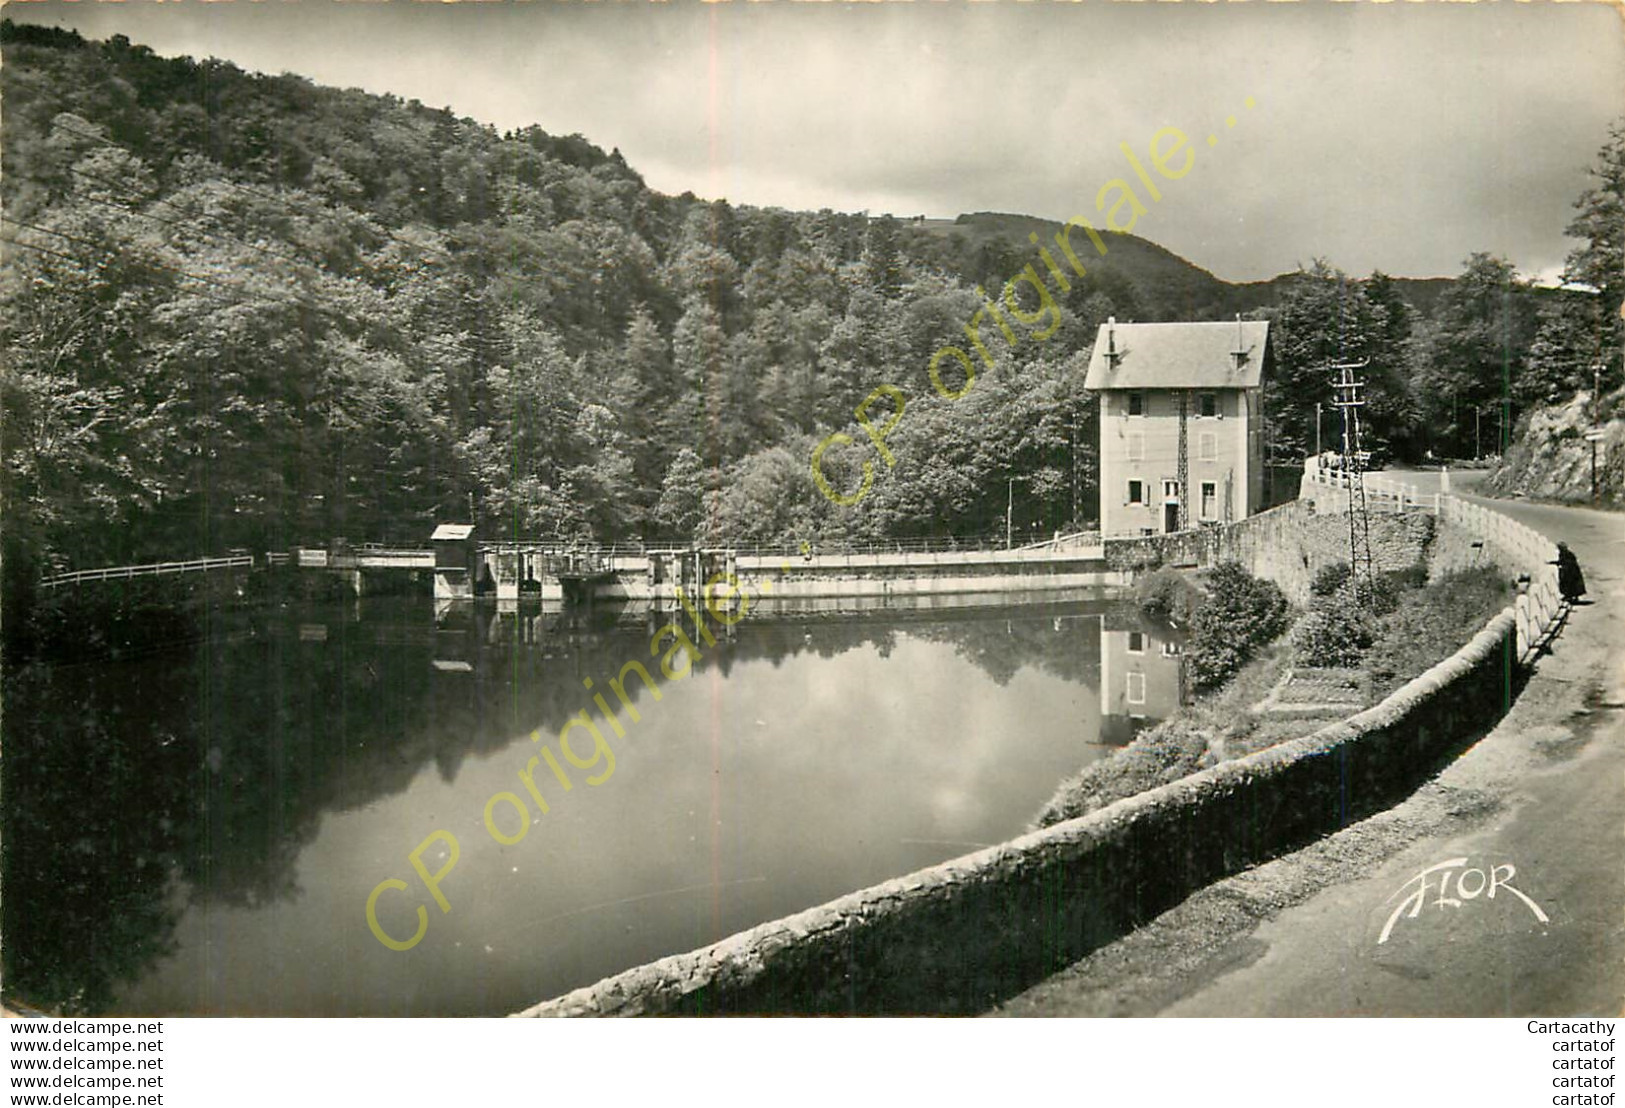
x: 1178, y: 355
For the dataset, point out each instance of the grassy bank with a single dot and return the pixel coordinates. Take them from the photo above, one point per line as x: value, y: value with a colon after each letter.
x: 1198, y: 736
x: 1375, y: 638
x: 1233, y: 618
x: 1431, y: 623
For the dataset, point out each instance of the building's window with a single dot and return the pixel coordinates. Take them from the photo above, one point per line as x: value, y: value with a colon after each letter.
x: 1207, y: 404
x: 1136, y: 492
x: 1136, y: 446
x: 1210, y: 499
x: 1170, y: 650
x: 1170, y: 490
x: 1207, y: 446
x: 1136, y: 642
x: 1136, y: 403
x: 1136, y: 688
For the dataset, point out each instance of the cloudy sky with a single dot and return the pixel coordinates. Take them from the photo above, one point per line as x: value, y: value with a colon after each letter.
x: 1400, y: 137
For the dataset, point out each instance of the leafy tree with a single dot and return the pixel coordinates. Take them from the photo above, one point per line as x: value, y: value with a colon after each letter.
x: 768, y: 497
x: 641, y: 391
x: 882, y: 260
x: 1391, y: 410
x: 1323, y: 318
x: 1474, y: 353
x: 1600, y: 223
x: 1571, y: 340
x: 253, y: 311
x: 1580, y: 332
x: 676, y: 515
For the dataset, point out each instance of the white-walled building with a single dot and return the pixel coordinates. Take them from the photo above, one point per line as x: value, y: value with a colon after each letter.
x: 1181, y: 430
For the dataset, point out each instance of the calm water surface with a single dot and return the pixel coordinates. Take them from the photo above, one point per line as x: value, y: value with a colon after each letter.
x: 196, y: 830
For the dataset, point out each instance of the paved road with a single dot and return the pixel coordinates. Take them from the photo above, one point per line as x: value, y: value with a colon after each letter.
x: 1543, y: 794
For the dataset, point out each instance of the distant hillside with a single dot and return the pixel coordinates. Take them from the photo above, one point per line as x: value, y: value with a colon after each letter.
x: 1173, y: 287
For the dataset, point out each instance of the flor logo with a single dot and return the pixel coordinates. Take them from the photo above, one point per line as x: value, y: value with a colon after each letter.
x: 1454, y: 884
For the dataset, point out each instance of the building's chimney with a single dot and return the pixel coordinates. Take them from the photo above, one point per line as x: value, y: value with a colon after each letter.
x: 1111, y: 335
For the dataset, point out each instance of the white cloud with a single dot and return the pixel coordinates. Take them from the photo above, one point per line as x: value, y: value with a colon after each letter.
x: 1400, y: 137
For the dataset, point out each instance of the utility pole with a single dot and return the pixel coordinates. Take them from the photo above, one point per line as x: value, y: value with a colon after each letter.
x: 1183, y: 462
x: 1076, y: 462
x: 1594, y: 432
x: 1009, y: 511
x: 1317, y: 429
x: 1349, y: 401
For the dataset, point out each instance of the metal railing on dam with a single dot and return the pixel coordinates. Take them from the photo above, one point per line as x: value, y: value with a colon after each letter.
x: 149, y: 569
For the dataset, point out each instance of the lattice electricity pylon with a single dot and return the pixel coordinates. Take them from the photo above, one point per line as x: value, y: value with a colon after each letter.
x: 1182, y: 472
x: 1349, y: 401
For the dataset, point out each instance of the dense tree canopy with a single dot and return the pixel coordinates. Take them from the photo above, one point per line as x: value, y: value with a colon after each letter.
x: 246, y: 311
x: 249, y: 311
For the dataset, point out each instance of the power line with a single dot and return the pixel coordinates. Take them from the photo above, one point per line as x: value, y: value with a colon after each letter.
x: 230, y: 239
x: 153, y: 263
x: 1349, y: 401
x: 242, y: 294
x: 47, y: 250
x: 251, y: 191
x: 428, y: 341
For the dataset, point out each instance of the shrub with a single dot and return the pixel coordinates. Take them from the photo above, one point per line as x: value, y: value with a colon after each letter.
x: 1335, y: 632
x: 1241, y: 614
x: 1258, y: 605
x: 1213, y: 655
x: 1329, y: 579
x: 1411, y: 577
x: 1379, y: 596
x: 1168, y: 596
x: 1172, y: 749
x: 1432, y: 623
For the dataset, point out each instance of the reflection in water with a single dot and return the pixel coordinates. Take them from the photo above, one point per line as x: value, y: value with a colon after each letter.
x: 197, y: 830
x: 1142, y: 675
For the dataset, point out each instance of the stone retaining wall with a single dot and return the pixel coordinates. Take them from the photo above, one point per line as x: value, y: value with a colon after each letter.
x: 1288, y: 544
x: 1147, y: 552
x: 961, y: 936
x: 1292, y: 543
x: 1456, y: 548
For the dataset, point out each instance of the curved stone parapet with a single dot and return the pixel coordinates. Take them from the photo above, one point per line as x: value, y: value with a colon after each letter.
x: 959, y: 937
x: 1539, y: 606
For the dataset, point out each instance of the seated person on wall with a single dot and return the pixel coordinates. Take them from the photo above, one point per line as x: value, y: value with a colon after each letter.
x: 1570, y: 581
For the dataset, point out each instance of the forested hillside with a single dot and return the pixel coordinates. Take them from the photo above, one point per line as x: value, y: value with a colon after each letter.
x: 248, y: 311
